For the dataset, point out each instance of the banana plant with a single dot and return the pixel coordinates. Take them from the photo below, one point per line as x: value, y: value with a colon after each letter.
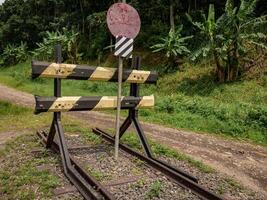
x: 228, y: 39
x: 173, y: 45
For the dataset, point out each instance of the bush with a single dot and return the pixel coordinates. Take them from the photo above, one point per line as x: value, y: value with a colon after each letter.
x: 257, y: 116
x: 13, y: 54
x: 174, y: 45
x: 67, y: 39
x: 166, y: 104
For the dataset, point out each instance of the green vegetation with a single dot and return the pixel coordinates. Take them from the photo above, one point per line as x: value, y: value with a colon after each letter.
x: 227, y: 34
x: 28, y: 175
x: 230, y: 38
x: 20, y: 175
x: 10, y: 109
x: 14, y: 54
x: 15, y: 118
x: 173, y: 45
x: 133, y: 141
x: 68, y: 40
x: 229, y: 183
x: 154, y: 190
x: 190, y: 99
x: 224, y: 90
x: 84, y: 132
x: 97, y: 174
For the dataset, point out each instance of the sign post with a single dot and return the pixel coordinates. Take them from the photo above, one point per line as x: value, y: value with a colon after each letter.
x: 124, y: 23
x: 117, y: 134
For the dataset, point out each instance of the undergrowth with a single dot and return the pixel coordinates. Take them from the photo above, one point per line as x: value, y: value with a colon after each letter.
x: 154, y: 190
x: 20, y: 177
x: 16, y: 118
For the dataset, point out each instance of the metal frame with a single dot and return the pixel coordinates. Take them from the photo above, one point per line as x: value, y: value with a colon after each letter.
x: 86, y: 185
x: 90, y: 73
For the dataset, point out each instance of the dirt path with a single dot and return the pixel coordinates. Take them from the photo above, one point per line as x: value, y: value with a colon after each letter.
x: 245, y: 162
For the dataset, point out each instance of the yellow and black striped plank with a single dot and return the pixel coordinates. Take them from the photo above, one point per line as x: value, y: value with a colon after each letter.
x: 83, y: 72
x: 66, y: 104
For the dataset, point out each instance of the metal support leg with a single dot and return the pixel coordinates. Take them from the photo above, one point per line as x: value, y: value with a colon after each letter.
x: 143, y: 138
x: 51, y: 135
x: 57, y: 93
x: 73, y: 172
x: 126, y: 124
x: 83, y: 187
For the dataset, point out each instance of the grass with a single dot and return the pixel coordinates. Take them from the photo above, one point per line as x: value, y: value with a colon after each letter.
x: 20, y: 117
x: 189, y: 99
x: 154, y: 190
x: 158, y: 149
x: 229, y: 183
x: 16, y: 118
x: 97, y: 174
x: 20, y: 177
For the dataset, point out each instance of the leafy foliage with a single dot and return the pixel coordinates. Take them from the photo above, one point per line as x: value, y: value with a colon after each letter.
x: 154, y: 190
x: 13, y: 54
x: 173, y: 45
x: 231, y: 37
x: 68, y: 40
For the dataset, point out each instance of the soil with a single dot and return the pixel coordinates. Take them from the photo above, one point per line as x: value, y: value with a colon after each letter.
x: 245, y: 162
x: 8, y: 136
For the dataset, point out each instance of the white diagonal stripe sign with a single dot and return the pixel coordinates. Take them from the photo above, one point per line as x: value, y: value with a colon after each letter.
x: 123, y: 47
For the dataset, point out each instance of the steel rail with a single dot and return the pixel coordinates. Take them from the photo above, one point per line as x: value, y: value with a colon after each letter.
x: 172, y: 174
x: 80, y: 173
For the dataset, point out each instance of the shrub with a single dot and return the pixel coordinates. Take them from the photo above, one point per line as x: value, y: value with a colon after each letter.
x: 167, y: 104
x: 68, y: 41
x: 13, y: 54
x: 173, y: 45
x: 258, y: 116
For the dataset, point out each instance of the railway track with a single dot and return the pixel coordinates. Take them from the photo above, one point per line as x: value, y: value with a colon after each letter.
x: 178, y: 184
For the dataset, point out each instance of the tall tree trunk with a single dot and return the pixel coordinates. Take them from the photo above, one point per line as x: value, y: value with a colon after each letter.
x: 82, y: 13
x: 189, y: 6
x: 172, y: 15
x: 233, y: 74
x: 233, y: 63
x: 220, y: 71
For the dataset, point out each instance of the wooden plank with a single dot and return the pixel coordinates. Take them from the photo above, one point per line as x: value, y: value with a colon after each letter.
x: 66, y: 104
x: 83, y: 72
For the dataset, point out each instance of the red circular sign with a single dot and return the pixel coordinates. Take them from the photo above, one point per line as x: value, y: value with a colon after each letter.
x: 123, y: 20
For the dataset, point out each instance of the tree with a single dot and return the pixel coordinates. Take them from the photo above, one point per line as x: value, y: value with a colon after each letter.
x: 231, y: 37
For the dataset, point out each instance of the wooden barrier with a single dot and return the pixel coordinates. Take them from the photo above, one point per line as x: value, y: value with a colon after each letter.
x: 83, y: 72
x: 66, y: 104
